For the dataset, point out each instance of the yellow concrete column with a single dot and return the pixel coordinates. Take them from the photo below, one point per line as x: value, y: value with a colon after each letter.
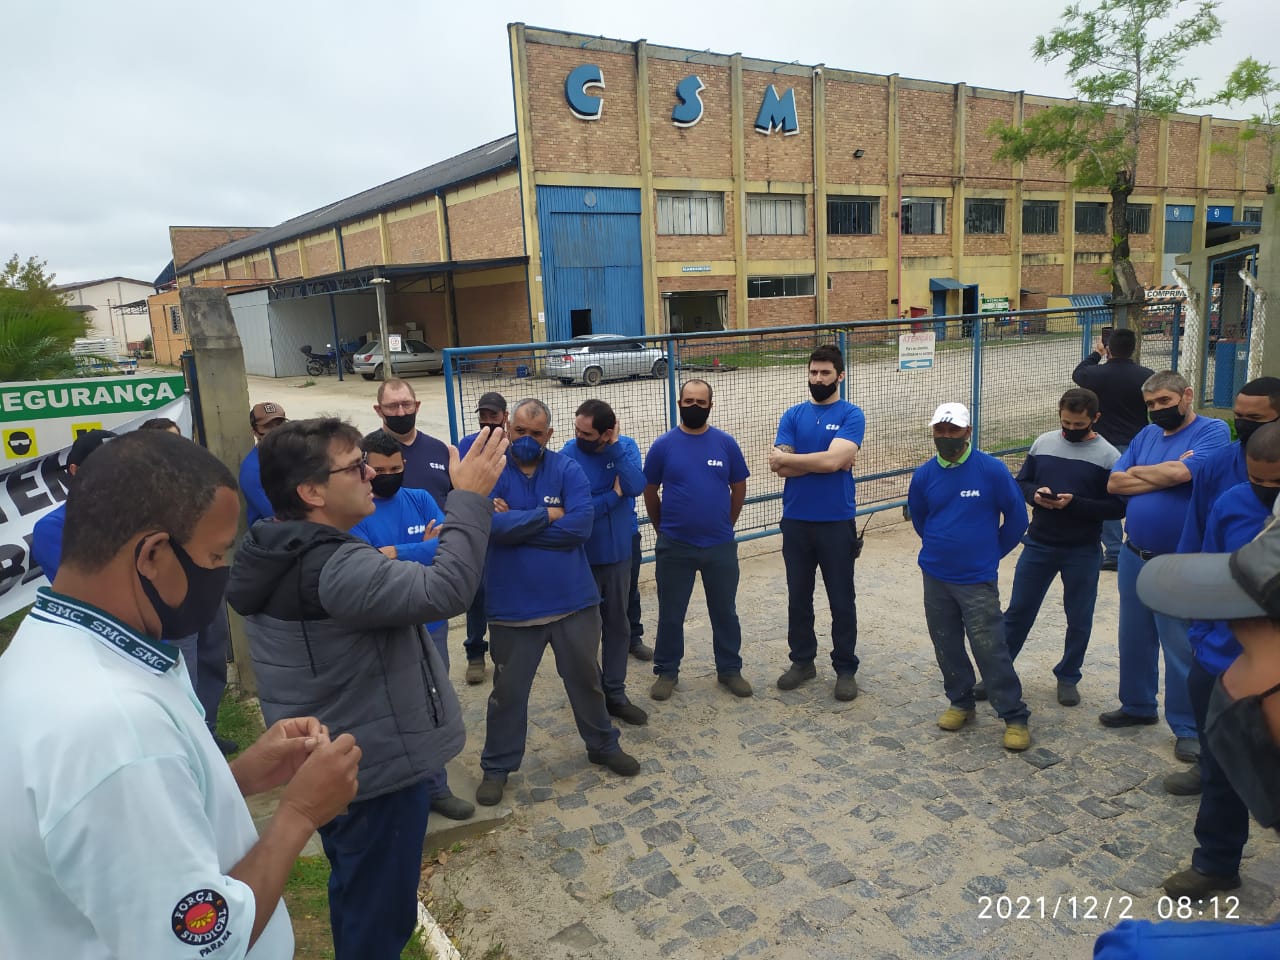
x: 1202, y: 185
x: 958, y: 191
x: 739, y: 190
x: 893, y: 223
x: 303, y: 268
x: 820, y: 193
x: 1069, y: 222
x: 384, y: 238
x: 1162, y: 194
x: 648, y: 222
x: 528, y: 196
x: 1015, y: 216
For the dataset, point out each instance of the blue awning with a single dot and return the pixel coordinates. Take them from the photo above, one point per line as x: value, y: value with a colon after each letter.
x: 1089, y: 299
x: 944, y: 283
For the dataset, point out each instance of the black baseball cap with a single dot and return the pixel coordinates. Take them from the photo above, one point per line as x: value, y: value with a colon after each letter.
x: 1217, y: 586
x: 85, y: 444
x: 492, y: 401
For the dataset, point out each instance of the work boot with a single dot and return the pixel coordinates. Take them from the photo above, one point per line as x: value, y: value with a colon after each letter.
x: 475, y: 671
x: 489, y: 793
x: 662, y: 687
x: 451, y: 807
x: 1122, y: 718
x: 736, y: 684
x: 642, y: 651
x: 846, y: 687
x: 1068, y: 695
x: 797, y: 674
x: 980, y: 690
x: 1187, y: 749
x: 1184, y: 783
x: 1016, y: 736
x: 1193, y: 884
x: 953, y: 718
x: 628, y: 712
x: 623, y: 764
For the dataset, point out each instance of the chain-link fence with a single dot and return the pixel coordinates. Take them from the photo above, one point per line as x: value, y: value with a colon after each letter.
x: 1010, y: 369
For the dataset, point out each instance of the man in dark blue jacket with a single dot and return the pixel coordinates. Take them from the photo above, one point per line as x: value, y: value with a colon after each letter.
x: 263, y: 418
x: 1064, y: 478
x: 491, y: 412
x: 969, y: 514
x: 540, y: 593
x: 46, y: 536
x: 612, y: 465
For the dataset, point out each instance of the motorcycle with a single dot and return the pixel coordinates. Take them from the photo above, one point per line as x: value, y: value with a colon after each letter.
x: 325, y: 363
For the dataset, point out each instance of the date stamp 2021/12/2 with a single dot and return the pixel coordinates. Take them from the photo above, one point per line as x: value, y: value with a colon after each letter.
x: 1110, y: 909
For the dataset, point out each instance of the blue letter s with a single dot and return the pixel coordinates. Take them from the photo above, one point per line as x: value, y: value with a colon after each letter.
x: 689, y: 110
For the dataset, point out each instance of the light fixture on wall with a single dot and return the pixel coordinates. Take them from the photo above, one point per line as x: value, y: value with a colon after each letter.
x: 859, y: 154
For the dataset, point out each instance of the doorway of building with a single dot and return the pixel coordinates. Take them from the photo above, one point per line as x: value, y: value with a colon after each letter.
x: 579, y: 323
x: 692, y: 311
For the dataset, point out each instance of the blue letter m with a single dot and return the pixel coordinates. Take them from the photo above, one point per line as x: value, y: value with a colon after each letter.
x: 777, y: 113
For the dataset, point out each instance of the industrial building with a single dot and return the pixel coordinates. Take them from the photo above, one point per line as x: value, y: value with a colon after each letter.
x: 650, y: 189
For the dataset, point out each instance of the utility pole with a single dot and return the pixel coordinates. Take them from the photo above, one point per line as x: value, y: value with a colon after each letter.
x: 380, y: 290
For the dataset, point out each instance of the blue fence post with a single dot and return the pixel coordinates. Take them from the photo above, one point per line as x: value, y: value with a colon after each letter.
x: 975, y: 402
x: 449, y: 397
x: 842, y: 341
x: 1086, y: 330
x: 673, y: 383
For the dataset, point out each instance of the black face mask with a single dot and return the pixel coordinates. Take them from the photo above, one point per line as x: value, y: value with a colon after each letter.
x: 1170, y: 418
x: 590, y: 446
x: 401, y: 423
x: 695, y: 418
x: 1246, y: 429
x: 950, y: 448
x: 386, y: 485
x: 1266, y: 494
x: 205, y: 589
x: 1238, y: 735
x: 823, y: 391
x: 1078, y: 435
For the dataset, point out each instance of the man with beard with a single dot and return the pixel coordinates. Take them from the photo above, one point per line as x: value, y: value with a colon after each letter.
x: 696, y: 484
x: 539, y: 592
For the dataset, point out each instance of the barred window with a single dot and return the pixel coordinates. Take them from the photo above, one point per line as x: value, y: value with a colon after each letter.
x: 853, y: 215
x: 690, y: 214
x: 1251, y: 215
x: 175, y: 319
x: 1040, y: 217
x: 786, y: 286
x: 769, y: 214
x: 983, y: 215
x: 1138, y: 216
x: 923, y: 215
x: 1091, y: 217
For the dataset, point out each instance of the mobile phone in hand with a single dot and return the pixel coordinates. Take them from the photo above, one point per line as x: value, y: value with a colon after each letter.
x: 1050, y: 496
x: 1106, y: 336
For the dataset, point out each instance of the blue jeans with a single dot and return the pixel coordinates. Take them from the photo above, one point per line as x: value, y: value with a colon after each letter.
x: 375, y: 854
x: 1143, y: 634
x: 1113, y: 530
x: 437, y: 781
x: 1222, y: 822
x: 474, y: 646
x: 633, y: 598
x: 517, y: 651
x: 1038, y: 564
x: 677, y: 564
x: 951, y: 610
x: 808, y: 546
x: 612, y: 580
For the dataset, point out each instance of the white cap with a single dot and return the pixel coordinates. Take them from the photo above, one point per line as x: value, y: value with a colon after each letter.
x: 954, y: 413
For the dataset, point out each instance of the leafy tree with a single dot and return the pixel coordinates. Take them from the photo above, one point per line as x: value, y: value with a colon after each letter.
x: 1124, y: 76
x: 1254, y: 82
x: 37, y: 329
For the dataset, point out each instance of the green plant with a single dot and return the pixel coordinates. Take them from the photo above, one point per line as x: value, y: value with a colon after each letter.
x: 1254, y: 82
x: 306, y: 383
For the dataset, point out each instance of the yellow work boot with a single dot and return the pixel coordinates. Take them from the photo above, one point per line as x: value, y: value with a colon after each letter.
x: 953, y: 718
x: 1016, y: 736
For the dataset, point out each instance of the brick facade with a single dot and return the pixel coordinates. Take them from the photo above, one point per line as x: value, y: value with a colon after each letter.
x: 706, y: 148
x: 498, y: 313
x: 777, y: 156
x: 856, y: 120
x: 187, y: 243
x: 781, y: 311
x: 607, y: 145
x: 486, y: 227
x: 857, y: 295
x: 416, y: 238
x: 362, y: 248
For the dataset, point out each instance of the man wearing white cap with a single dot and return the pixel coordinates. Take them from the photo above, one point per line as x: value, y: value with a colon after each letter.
x: 969, y: 513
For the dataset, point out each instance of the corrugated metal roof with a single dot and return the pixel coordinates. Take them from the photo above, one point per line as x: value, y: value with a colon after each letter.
x: 1089, y: 299
x: 487, y: 158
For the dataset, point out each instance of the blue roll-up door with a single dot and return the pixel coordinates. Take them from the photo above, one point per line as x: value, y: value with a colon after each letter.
x: 591, y: 260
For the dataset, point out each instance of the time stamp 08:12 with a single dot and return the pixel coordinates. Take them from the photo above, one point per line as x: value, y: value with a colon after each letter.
x: 1111, y: 909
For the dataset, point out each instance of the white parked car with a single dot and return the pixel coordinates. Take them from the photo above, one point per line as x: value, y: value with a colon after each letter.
x: 604, y: 356
x: 413, y: 357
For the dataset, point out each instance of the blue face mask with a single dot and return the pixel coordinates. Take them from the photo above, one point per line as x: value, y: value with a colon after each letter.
x: 526, y: 450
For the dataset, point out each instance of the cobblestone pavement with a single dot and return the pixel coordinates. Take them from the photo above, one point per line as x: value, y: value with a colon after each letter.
x: 791, y: 825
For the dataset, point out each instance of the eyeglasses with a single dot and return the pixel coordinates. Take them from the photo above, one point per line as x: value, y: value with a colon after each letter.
x: 359, y: 466
x: 409, y: 406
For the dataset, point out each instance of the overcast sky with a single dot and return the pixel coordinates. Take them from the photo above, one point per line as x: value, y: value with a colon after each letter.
x: 125, y: 117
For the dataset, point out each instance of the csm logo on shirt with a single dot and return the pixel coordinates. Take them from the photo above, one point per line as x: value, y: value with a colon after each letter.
x: 439, y: 466
x: 551, y: 501
x: 715, y: 463
x: 970, y: 493
x: 417, y: 528
x: 832, y: 426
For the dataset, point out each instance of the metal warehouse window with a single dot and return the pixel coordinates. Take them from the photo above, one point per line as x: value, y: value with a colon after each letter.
x: 921, y: 215
x: 1251, y: 215
x: 1177, y: 236
x: 853, y: 215
x: 774, y: 215
x: 982, y: 215
x: 690, y: 214
x: 1138, y: 216
x: 787, y: 286
x: 1040, y: 217
x: 1091, y: 217
x: 175, y: 319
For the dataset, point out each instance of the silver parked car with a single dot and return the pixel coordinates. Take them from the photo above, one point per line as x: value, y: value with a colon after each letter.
x: 605, y: 356
x: 413, y: 357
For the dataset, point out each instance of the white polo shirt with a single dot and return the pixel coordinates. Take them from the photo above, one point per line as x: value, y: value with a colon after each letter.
x: 119, y: 818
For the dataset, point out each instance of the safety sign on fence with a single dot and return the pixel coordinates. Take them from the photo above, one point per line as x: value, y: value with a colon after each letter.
x: 915, y: 351
x: 38, y: 423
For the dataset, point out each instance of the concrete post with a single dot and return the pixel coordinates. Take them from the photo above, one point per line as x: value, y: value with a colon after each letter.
x: 224, y: 406
x: 1269, y: 280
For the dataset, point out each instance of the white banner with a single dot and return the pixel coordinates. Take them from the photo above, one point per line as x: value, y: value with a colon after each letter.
x: 38, y: 484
